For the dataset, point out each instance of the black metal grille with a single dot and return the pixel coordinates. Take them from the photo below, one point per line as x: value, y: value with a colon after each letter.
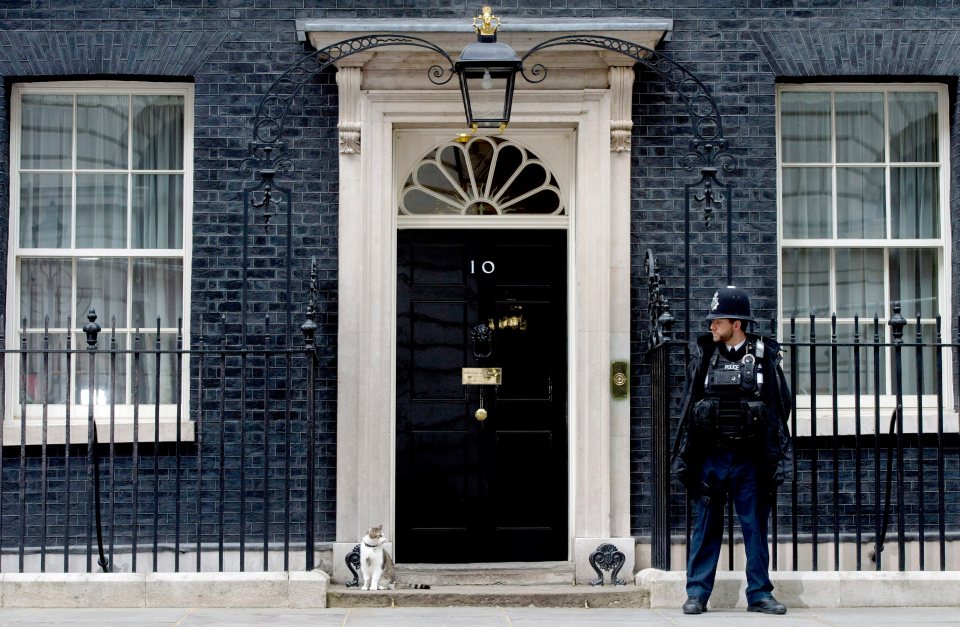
x: 870, y: 485
x: 245, y: 482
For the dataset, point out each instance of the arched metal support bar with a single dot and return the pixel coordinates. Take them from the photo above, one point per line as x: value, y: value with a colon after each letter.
x: 705, y: 119
x: 268, y: 158
x: 708, y: 145
x: 268, y: 125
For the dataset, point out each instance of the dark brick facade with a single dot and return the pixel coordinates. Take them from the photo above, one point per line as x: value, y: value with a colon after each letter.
x: 233, y: 50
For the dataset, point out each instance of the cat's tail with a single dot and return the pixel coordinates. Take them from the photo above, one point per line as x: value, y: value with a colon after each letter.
x: 414, y: 586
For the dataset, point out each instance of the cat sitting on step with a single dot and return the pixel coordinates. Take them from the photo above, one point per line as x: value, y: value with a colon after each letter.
x: 376, y: 565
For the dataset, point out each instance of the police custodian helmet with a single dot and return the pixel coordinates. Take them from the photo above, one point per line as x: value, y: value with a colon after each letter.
x: 730, y: 302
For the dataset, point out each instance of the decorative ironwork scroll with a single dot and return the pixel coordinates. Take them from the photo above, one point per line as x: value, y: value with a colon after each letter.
x: 658, y: 307
x: 607, y: 557
x: 269, y: 123
x: 353, y: 563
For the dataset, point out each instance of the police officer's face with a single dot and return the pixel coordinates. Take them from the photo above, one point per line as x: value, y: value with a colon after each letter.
x: 724, y: 330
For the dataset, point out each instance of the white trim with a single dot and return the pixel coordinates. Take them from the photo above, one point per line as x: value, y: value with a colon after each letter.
x: 13, y: 423
x: 941, y: 244
x: 483, y: 222
x: 366, y: 402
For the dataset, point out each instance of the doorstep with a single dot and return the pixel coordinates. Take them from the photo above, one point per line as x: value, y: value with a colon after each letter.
x: 493, y: 595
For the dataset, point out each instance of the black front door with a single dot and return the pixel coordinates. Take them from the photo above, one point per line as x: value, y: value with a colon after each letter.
x: 496, y: 490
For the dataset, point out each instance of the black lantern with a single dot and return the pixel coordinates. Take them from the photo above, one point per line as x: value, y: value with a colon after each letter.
x: 487, y: 70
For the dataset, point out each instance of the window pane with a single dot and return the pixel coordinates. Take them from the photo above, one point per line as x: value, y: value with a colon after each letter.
x: 927, y: 360
x: 807, y: 197
x: 45, y: 291
x: 45, y: 210
x: 871, y: 362
x: 157, y: 291
x: 110, y: 372
x: 915, y: 202
x: 913, y: 281
x: 157, y: 211
x: 806, y: 282
x: 821, y: 354
x: 46, y: 132
x: 102, y: 132
x: 805, y: 127
x: 102, y: 286
x: 158, y: 132
x: 101, y: 210
x: 859, y: 282
x: 46, y: 376
x: 860, y: 201
x: 913, y: 126
x: 859, y: 127
x: 417, y: 202
x: 149, y: 382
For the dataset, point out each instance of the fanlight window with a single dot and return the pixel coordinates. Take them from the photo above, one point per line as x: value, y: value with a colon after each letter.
x: 485, y: 176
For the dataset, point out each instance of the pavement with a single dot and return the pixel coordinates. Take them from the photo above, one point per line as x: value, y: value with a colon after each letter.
x: 472, y: 617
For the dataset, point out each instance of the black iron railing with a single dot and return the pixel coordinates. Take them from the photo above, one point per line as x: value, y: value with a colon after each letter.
x: 206, y: 450
x: 877, y: 446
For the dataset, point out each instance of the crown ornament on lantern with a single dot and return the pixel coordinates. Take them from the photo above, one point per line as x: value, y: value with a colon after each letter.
x: 486, y: 23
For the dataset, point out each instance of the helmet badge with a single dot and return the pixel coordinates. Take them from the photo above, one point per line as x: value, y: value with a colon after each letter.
x: 715, y: 302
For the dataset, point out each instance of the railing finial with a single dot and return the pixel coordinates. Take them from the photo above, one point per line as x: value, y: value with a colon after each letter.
x: 92, y: 329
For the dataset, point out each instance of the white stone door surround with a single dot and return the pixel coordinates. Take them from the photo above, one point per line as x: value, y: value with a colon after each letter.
x: 587, y: 97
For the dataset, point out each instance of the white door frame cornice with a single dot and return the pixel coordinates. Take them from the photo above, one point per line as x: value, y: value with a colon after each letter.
x: 593, y: 102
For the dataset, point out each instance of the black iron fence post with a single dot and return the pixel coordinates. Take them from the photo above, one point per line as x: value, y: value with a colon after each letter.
x: 92, y: 331
x: 659, y: 356
x: 658, y: 353
x: 309, y: 329
x: 897, y: 322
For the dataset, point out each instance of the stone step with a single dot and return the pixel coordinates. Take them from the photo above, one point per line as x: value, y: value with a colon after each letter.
x: 629, y: 596
x: 499, y: 573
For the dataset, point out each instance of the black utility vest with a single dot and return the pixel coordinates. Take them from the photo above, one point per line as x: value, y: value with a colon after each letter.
x: 735, y: 384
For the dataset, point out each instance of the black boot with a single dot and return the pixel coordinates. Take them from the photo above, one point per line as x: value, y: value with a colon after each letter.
x: 767, y: 605
x: 694, y: 605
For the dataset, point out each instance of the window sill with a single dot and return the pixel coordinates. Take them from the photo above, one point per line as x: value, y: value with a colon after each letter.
x: 123, y: 431
x: 847, y: 419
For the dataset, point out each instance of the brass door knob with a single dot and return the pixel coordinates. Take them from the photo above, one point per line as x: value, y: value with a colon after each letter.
x: 480, y: 414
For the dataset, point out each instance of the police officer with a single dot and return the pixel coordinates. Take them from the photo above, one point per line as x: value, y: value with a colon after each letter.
x: 733, y: 440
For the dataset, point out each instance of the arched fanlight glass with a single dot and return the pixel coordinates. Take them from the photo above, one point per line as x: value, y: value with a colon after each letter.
x: 484, y: 176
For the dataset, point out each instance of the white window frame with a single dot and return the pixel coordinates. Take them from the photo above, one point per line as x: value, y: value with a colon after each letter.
x: 13, y: 422
x: 846, y: 402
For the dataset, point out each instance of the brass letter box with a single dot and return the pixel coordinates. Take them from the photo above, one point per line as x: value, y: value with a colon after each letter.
x: 481, y: 376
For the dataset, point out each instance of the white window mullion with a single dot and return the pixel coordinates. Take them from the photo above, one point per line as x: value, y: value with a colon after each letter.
x: 74, y: 144
x: 888, y: 174
x: 887, y: 313
x: 834, y: 194
x: 128, y: 359
x: 833, y: 281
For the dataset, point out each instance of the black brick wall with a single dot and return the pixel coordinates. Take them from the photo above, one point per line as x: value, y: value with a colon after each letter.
x: 233, y: 50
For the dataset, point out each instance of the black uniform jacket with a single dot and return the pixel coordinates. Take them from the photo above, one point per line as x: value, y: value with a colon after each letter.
x: 775, y: 454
